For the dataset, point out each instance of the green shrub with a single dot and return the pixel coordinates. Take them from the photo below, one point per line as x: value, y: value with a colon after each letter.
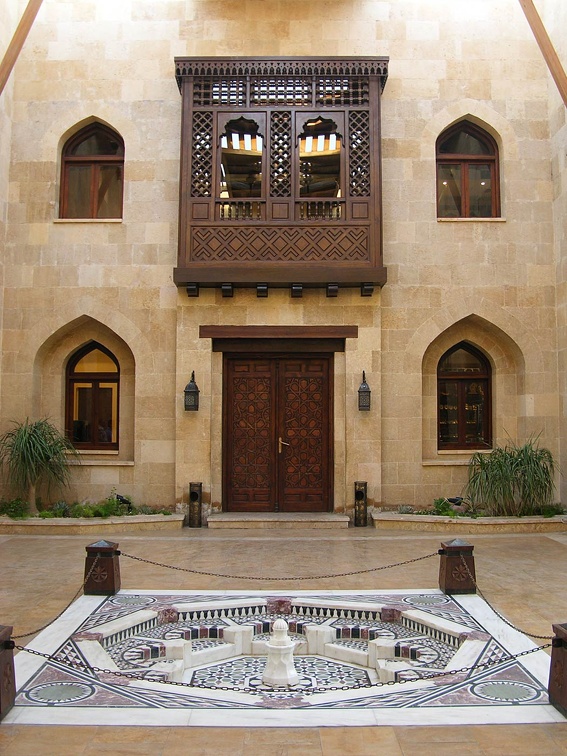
x: 80, y: 510
x: 512, y: 480
x: 549, y: 510
x: 117, y: 505
x: 144, y: 509
x: 46, y: 514
x: 61, y: 509
x: 17, y: 509
x: 443, y: 507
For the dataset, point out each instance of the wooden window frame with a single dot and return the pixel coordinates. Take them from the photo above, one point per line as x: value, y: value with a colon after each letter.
x: 460, y: 379
x: 96, y: 378
x: 95, y: 163
x: 283, y: 237
x: 465, y: 161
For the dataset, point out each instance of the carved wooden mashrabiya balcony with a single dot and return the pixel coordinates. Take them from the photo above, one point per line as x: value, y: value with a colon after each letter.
x: 280, y: 174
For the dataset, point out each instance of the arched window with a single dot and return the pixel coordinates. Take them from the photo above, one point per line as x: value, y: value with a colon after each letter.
x: 320, y: 159
x: 463, y: 399
x: 92, y: 174
x: 467, y: 173
x: 242, y: 151
x: 93, y: 381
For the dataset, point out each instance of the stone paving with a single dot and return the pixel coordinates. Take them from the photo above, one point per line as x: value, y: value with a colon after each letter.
x: 519, y: 574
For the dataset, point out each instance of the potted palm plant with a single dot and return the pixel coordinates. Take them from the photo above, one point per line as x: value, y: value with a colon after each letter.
x: 512, y: 480
x: 36, y: 453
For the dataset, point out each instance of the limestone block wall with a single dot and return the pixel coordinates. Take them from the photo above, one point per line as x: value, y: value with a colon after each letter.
x: 491, y: 282
x: 555, y: 18
x: 9, y: 14
x: 67, y: 281
x: 357, y: 447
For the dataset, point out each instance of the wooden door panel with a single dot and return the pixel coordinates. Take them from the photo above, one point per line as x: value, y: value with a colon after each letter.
x: 249, y: 435
x: 304, y: 425
x: 267, y: 399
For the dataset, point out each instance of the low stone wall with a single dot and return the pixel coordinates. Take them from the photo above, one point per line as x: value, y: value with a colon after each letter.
x: 97, y: 525
x: 436, y: 523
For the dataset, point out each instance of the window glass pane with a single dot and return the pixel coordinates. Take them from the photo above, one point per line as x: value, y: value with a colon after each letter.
x: 449, y: 191
x: 107, y: 412
x: 462, y: 143
x: 461, y: 361
x: 475, y: 397
x: 448, y: 412
x: 109, y: 191
x: 320, y: 159
x: 96, y: 361
x: 241, y: 160
x: 480, y: 191
x: 78, y: 191
x: 99, y: 143
x: 82, y: 412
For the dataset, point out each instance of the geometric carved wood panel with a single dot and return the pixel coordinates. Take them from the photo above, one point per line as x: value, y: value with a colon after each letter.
x: 249, y: 433
x: 280, y: 243
x: 304, y: 468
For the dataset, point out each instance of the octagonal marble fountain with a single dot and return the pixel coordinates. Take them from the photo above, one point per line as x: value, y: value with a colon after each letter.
x: 365, y: 657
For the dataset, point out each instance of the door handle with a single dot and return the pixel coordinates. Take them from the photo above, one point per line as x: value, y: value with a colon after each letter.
x: 280, y: 444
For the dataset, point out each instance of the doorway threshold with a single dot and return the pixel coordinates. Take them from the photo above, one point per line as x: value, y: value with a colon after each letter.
x: 250, y: 520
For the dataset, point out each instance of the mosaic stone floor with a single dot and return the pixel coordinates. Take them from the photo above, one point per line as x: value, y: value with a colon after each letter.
x: 363, y: 658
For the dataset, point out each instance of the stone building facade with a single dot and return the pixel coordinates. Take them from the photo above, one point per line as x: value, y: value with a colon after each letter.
x: 496, y: 283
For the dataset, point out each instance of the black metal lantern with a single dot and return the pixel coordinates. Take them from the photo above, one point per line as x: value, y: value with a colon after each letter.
x: 191, y: 395
x: 364, y: 395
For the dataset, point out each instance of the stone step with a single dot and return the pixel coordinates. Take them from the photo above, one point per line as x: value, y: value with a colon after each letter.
x: 281, y: 520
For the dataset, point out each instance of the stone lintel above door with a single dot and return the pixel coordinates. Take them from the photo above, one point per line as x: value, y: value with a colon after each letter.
x: 278, y: 338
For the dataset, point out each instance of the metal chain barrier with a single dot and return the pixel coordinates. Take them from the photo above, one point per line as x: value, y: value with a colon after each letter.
x: 268, y: 689
x: 497, y: 613
x: 263, y: 577
x: 75, y: 597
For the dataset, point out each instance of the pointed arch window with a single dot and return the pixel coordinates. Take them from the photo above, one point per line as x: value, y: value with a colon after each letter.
x: 92, y: 174
x: 320, y: 159
x: 467, y: 173
x: 464, y: 399
x: 93, y: 382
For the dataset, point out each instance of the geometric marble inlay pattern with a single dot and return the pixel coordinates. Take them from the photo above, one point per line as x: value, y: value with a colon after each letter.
x: 362, y: 657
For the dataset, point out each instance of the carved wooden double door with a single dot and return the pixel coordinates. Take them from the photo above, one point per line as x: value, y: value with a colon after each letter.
x: 277, y: 434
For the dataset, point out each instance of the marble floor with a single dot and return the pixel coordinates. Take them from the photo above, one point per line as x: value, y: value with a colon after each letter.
x: 522, y: 576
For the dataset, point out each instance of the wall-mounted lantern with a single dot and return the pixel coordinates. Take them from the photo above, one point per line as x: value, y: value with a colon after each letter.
x: 364, y: 395
x: 191, y: 395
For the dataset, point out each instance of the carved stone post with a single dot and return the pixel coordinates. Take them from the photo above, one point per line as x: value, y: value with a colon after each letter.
x: 558, y: 670
x: 103, y: 577
x: 7, y: 674
x: 195, y: 504
x: 360, y: 503
x: 454, y: 576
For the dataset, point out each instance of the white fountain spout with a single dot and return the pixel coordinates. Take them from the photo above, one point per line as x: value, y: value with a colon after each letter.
x: 280, y: 670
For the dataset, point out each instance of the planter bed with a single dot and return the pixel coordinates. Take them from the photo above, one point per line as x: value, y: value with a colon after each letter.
x: 92, y: 525
x: 437, y: 523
